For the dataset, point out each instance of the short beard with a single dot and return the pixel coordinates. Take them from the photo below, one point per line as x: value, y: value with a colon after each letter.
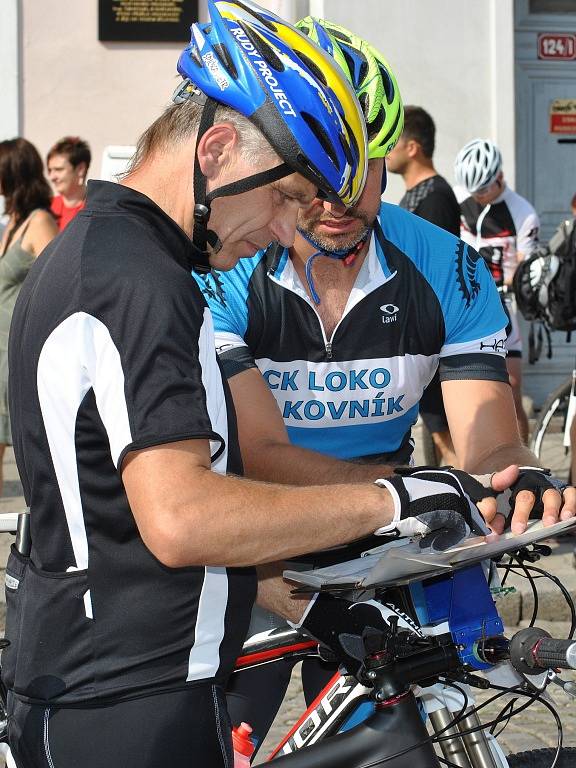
x: 335, y: 243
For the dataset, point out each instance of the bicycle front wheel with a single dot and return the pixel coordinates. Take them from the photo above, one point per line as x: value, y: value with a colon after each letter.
x: 547, y: 437
x: 543, y: 758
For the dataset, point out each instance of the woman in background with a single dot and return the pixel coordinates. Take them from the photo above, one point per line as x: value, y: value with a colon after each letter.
x: 30, y: 228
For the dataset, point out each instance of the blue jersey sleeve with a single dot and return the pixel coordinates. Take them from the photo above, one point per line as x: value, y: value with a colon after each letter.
x: 227, y: 296
x: 474, y: 319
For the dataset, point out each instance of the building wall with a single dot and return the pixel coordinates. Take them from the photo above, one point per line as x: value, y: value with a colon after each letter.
x: 452, y: 57
x: 106, y: 93
x: 109, y: 92
x: 73, y: 84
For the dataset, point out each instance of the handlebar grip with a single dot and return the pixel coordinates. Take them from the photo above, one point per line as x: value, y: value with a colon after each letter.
x: 532, y: 650
x: 549, y: 653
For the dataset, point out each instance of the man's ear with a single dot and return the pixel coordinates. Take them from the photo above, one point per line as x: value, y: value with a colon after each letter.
x: 412, y: 148
x: 216, y: 148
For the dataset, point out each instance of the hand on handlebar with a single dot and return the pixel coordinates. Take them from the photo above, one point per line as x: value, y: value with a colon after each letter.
x: 344, y: 626
x: 527, y: 493
x: 436, y: 504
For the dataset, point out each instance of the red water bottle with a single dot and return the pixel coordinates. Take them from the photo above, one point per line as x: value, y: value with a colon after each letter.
x: 243, y: 747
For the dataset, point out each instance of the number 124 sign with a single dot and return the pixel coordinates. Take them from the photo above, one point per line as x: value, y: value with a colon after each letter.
x: 557, y: 46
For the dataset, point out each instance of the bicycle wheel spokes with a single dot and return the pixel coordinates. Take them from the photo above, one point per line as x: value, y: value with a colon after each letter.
x: 547, y: 438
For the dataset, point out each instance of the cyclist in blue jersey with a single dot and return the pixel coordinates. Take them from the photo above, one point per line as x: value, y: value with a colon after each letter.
x: 328, y: 345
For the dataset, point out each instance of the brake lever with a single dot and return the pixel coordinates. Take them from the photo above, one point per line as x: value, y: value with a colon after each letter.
x: 568, y: 686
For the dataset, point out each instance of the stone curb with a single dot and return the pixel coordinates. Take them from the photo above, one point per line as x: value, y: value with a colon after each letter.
x: 518, y: 607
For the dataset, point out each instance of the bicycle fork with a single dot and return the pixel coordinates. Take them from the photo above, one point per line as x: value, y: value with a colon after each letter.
x: 466, y: 750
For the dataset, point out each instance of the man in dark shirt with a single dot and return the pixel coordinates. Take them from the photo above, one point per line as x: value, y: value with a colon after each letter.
x: 430, y: 196
x: 427, y: 193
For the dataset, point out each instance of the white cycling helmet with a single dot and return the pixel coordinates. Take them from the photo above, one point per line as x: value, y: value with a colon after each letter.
x: 477, y: 164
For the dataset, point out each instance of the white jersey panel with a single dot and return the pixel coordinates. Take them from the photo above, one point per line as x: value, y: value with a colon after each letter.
x: 62, y: 382
x: 347, y: 393
x: 215, y: 398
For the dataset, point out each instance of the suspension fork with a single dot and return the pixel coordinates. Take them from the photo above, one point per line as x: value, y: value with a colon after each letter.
x: 471, y: 750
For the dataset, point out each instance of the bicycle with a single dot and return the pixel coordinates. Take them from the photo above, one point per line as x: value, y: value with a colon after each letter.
x: 439, y: 639
x: 555, y: 418
x: 376, y: 719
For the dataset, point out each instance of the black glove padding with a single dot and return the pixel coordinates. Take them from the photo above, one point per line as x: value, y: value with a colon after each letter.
x: 538, y: 481
x: 436, y: 504
x: 344, y: 626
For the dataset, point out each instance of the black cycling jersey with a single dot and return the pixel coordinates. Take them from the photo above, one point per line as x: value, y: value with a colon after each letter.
x: 434, y: 200
x: 111, y: 351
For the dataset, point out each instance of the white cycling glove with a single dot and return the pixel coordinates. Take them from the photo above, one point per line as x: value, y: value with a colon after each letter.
x: 435, y: 504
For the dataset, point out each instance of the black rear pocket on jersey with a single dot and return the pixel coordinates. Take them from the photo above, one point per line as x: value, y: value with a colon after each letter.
x: 16, y: 569
x: 53, y: 655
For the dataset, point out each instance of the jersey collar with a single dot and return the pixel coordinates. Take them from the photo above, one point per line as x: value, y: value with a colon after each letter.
x: 373, y: 273
x: 116, y: 199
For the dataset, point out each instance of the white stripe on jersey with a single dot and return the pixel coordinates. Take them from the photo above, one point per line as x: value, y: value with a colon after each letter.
x: 93, y: 361
x: 204, y: 659
x: 62, y: 382
x: 215, y: 398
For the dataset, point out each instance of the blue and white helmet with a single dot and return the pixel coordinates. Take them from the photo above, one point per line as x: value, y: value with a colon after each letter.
x: 477, y: 164
x: 259, y: 65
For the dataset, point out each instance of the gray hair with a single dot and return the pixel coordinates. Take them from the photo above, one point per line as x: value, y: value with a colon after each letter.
x: 180, y: 121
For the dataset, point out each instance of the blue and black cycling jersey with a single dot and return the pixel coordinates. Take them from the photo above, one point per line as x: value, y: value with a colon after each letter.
x: 422, y: 299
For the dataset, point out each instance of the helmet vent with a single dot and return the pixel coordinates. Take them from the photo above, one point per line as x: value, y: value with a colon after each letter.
x: 195, y: 55
x: 265, y: 50
x: 364, y: 103
x: 353, y: 143
x: 318, y: 130
x: 256, y: 15
x: 375, y: 126
x: 313, y: 67
x: 224, y: 57
x: 339, y: 34
x: 388, y: 85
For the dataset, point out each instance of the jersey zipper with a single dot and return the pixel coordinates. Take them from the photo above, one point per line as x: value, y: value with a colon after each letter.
x: 328, y: 350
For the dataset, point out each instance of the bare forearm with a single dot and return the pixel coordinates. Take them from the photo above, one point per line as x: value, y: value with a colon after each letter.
x: 501, y: 457
x: 274, y: 593
x: 227, y: 521
x: 287, y: 463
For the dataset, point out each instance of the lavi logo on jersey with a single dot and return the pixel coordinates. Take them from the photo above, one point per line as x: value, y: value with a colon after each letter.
x: 390, y: 313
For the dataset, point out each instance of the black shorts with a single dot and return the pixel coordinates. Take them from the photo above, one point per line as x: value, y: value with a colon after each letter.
x: 188, y: 728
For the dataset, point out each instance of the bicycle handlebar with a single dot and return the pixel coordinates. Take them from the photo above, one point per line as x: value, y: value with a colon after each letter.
x: 533, y: 650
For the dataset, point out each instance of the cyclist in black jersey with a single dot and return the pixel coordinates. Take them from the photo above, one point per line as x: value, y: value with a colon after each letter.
x: 429, y: 196
x: 127, y: 614
x: 503, y: 227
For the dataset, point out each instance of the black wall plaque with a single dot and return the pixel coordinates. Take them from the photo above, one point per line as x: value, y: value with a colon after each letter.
x: 146, y: 20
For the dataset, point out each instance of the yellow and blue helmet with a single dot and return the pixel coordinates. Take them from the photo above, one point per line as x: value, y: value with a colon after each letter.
x: 259, y: 65
x: 371, y: 77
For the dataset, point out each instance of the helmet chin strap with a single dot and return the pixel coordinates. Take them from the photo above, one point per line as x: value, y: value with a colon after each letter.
x: 347, y: 256
x: 206, y: 240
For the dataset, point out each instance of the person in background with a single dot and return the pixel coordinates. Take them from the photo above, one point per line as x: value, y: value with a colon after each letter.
x: 503, y: 227
x: 30, y: 228
x: 573, y: 206
x: 68, y: 162
x: 429, y: 196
